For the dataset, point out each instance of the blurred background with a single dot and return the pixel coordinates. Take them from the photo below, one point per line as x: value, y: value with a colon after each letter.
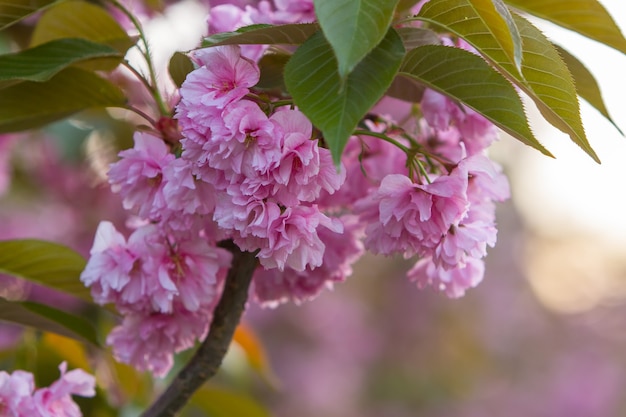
x: 543, y: 335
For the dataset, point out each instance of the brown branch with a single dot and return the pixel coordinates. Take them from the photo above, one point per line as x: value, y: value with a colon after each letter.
x: 209, y: 355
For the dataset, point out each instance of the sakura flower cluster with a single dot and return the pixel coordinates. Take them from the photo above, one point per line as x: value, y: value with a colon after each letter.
x: 19, y: 398
x: 252, y: 169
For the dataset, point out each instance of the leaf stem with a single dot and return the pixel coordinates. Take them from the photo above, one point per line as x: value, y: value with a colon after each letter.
x: 208, y: 358
x: 383, y: 137
x: 152, y: 85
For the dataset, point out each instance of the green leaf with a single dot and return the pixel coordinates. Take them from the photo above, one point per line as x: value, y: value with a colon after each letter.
x: 551, y: 86
x: 48, y: 319
x: 179, y: 67
x: 353, y: 28
x: 42, y: 62
x: 313, y: 80
x: 293, y: 34
x: 586, y: 84
x: 47, y: 263
x: 12, y: 11
x: 544, y: 78
x: 472, y: 81
x: 79, y: 19
x: 29, y: 105
x: 272, y: 67
x: 485, y: 24
x: 587, y: 17
x: 405, y: 88
x: 216, y: 402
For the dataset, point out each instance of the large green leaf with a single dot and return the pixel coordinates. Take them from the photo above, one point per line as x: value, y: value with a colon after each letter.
x: 29, y: 104
x: 544, y: 78
x: 12, y: 11
x: 485, y: 24
x: 313, y: 80
x: 48, y: 319
x: 217, y: 402
x: 79, y: 19
x: 293, y: 34
x: 551, y: 86
x: 586, y: 84
x: 470, y: 80
x: 47, y: 263
x: 42, y: 62
x: 353, y: 27
x: 587, y: 17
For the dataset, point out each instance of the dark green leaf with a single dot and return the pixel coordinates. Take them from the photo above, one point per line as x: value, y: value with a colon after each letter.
x: 353, y: 27
x: 586, y: 85
x: 272, y: 67
x: 79, y: 19
x: 48, y: 319
x: 12, y: 11
x: 470, y: 80
x: 42, y: 62
x: 216, y: 402
x: 313, y: 80
x: 293, y: 34
x: 47, y: 263
x: 587, y: 17
x: 28, y: 104
x: 180, y: 65
x: 405, y: 88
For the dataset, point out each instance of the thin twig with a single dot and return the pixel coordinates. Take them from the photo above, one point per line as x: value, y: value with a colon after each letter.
x: 209, y: 355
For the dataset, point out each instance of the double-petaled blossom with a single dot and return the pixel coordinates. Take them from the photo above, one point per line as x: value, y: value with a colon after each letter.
x: 409, y: 218
x: 19, y: 398
x: 154, y: 270
x: 138, y: 175
x: 275, y: 286
x: 149, y: 341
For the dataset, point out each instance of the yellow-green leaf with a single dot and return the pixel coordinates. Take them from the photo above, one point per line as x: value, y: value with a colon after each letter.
x: 29, y: 104
x: 42, y: 62
x: 549, y: 83
x: 12, y: 11
x: 586, y: 84
x: 472, y: 81
x: 218, y: 402
x: 47, y: 263
x: 485, y: 24
x: 79, y: 19
x: 587, y: 17
x: 48, y: 319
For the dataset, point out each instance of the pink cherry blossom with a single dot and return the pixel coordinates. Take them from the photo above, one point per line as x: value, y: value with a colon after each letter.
x: 148, y: 342
x: 224, y: 77
x: 110, y: 264
x: 138, y: 175
x: 15, y: 388
x: 454, y: 282
x: 18, y: 397
x: 273, y: 286
x: 56, y: 400
x: 411, y: 218
x: 293, y: 240
x: 305, y: 168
